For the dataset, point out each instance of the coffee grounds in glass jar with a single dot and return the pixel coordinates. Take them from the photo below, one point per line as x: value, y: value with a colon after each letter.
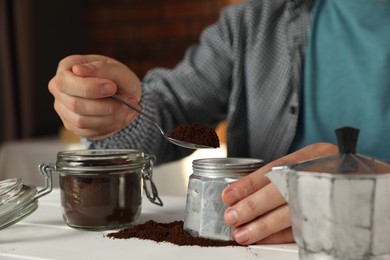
x: 103, y: 201
x: 196, y: 134
x: 171, y: 232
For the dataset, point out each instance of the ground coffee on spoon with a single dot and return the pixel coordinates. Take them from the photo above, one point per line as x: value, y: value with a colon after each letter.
x: 196, y: 134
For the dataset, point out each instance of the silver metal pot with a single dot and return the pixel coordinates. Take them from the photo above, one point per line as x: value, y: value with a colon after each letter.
x: 339, y: 204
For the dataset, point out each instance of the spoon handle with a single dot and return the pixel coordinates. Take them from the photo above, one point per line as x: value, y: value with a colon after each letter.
x: 146, y: 115
x: 151, y: 119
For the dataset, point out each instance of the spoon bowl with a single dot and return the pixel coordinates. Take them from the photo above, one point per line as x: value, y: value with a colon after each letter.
x: 154, y: 121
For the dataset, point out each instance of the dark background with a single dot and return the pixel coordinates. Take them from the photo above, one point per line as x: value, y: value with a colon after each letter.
x: 140, y: 33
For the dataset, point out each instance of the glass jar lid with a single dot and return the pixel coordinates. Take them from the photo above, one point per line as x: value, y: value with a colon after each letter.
x: 18, y: 200
x: 347, y: 161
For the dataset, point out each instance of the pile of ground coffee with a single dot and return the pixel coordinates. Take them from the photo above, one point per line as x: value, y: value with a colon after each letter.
x: 196, y: 134
x: 167, y: 232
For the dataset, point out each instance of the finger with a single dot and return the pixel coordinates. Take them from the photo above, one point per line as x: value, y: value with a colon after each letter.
x: 95, y: 76
x: 284, y: 236
x: 245, y: 186
x: 88, y: 107
x: 257, y: 204
x: 106, y: 68
x: 266, y: 225
x: 70, y: 60
x: 77, y: 123
x: 93, y: 126
x: 93, y: 133
x: 95, y: 107
x: 68, y: 83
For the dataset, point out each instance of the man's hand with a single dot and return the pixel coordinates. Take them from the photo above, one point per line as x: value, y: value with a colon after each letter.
x: 257, y: 211
x: 81, y: 89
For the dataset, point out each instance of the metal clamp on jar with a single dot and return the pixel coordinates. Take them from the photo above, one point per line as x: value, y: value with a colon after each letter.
x: 204, y: 206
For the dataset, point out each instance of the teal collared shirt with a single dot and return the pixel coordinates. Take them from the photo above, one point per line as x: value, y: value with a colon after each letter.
x: 347, y: 75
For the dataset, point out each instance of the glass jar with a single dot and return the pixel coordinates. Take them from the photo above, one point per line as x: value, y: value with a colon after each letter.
x: 102, y: 189
x: 204, y: 207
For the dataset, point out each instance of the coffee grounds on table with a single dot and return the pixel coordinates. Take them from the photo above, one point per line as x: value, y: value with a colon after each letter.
x: 172, y: 232
x: 196, y: 134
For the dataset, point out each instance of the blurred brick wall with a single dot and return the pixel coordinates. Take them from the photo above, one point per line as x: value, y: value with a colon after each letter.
x: 147, y: 33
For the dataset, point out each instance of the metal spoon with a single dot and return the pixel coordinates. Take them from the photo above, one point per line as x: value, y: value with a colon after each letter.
x: 151, y: 119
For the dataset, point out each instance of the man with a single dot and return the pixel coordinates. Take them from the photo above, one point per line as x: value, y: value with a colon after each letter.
x: 248, y: 69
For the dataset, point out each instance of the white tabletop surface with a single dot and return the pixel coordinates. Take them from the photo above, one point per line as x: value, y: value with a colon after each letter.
x: 43, y: 235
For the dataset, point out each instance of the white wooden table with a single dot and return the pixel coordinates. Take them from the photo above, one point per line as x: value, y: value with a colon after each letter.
x: 43, y: 235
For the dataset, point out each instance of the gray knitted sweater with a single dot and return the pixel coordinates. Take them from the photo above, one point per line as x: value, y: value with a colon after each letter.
x: 246, y: 69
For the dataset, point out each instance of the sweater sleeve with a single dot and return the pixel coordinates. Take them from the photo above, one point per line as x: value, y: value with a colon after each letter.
x: 195, y: 91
